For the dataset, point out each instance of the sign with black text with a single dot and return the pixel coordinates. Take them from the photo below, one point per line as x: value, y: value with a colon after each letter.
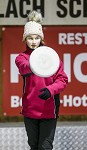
x: 54, y: 12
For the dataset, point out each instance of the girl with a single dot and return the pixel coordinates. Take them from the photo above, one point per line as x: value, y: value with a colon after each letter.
x: 40, y: 101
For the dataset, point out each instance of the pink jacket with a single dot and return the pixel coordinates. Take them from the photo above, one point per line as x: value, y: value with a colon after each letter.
x: 33, y: 106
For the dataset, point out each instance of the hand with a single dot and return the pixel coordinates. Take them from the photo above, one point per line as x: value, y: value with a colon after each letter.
x: 45, y: 94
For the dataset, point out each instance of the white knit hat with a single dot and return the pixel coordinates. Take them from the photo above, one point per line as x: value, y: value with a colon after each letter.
x: 34, y: 25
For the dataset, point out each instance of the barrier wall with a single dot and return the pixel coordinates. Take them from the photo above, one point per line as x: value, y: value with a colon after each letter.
x: 66, y: 138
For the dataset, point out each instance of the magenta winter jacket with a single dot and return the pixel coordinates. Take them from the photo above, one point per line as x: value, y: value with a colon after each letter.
x: 33, y: 106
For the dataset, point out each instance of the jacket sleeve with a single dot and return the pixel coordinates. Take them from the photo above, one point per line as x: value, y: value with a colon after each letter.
x: 60, y: 81
x: 22, y: 62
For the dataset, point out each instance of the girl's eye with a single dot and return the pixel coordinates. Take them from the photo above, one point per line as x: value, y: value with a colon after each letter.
x: 30, y: 39
x: 37, y: 38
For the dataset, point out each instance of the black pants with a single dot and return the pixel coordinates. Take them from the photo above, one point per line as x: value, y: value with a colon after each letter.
x: 40, y: 133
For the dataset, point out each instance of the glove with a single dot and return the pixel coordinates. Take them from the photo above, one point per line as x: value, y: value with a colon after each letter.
x: 45, y: 94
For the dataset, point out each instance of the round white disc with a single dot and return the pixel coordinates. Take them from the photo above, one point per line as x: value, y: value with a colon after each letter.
x: 44, y: 61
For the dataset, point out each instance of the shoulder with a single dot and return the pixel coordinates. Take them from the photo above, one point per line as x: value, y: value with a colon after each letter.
x: 23, y: 54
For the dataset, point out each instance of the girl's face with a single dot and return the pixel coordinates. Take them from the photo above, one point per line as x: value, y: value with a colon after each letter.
x: 33, y: 41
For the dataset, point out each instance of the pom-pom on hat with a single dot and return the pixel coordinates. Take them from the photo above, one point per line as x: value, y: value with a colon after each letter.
x: 34, y: 25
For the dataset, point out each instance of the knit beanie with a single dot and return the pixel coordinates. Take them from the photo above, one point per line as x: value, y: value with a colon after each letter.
x: 34, y: 25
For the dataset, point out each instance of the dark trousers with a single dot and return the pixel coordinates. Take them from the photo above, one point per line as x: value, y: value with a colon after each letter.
x: 40, y: 133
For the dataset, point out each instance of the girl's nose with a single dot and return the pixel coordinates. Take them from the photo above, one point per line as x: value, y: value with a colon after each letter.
x: 34, y: 41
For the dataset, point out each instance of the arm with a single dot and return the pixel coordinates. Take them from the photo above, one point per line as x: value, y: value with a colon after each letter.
x: 60, y: 81
x: 22, y: 62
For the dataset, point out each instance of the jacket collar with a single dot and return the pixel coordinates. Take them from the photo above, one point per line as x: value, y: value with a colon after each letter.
x: 28, y: 50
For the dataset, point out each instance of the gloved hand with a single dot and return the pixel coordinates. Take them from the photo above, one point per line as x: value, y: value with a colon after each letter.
x: 45, y: 94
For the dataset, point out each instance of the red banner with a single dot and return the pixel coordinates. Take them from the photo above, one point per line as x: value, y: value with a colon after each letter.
x: 70, y: 42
